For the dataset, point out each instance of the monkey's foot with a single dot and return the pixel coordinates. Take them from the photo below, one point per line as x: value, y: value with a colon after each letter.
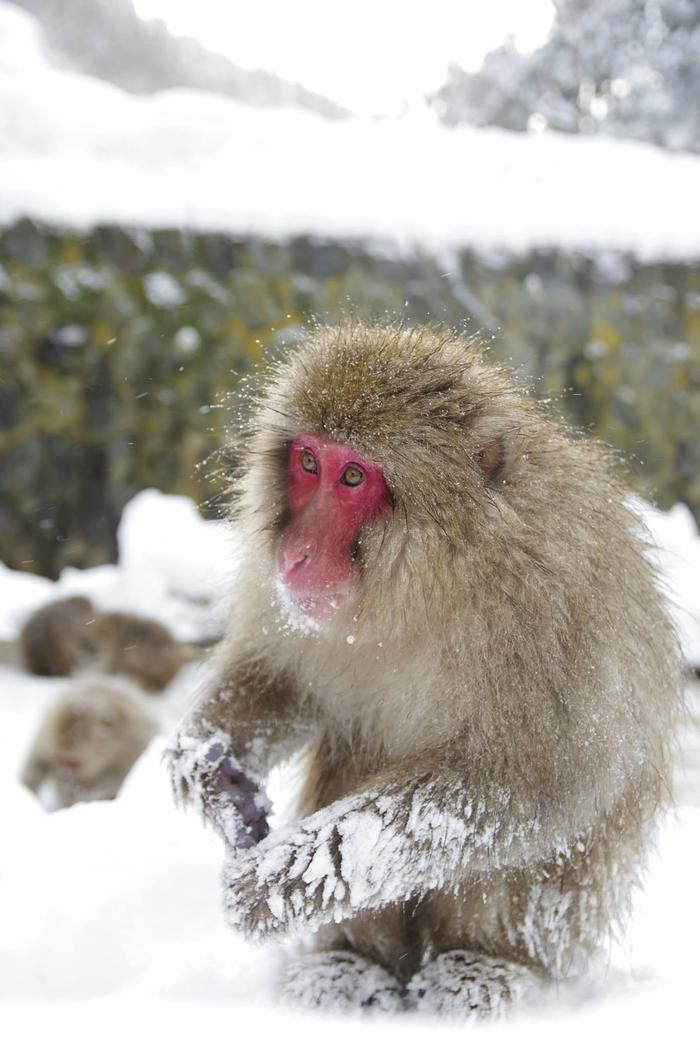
x: 342, y: 981
x: 463, y: 984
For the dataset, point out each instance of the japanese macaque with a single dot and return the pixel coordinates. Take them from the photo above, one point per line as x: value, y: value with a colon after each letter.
x: 69, y: 635
x: 87, y: 742
x: 59, y: 637
x: 141, y: 648
x: 446, y: 598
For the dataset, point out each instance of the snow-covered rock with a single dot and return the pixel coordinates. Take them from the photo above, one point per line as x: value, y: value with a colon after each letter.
x: 173, y: 565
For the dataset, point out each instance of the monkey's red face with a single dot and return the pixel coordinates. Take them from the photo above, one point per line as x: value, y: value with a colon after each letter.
x: 333, y: 493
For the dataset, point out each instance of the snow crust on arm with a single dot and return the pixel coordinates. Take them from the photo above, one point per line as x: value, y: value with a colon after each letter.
x: 365, y: 851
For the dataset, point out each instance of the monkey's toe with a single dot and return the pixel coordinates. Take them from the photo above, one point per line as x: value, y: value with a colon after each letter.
x: 465, y: 985
x: 342, y: 981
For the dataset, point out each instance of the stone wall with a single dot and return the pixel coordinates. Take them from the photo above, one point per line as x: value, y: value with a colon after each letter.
x: 120, y: 349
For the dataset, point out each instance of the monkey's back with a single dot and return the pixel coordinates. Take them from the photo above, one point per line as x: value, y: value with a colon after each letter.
x: 141, y: 648
x: 57, y: 637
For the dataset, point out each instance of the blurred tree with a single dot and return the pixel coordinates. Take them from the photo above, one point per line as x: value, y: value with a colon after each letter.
x: 628, y: 68
x: 108, y: 40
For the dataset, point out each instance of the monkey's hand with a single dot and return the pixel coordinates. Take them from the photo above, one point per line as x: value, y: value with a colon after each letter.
x: 205, y: 774
x: 362, y: 852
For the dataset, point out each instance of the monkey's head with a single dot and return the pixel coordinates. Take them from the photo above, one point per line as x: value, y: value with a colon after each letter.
x: 78, y: 604
x: 83, y: 739
x: 374, y: 451
x: 90, y: 727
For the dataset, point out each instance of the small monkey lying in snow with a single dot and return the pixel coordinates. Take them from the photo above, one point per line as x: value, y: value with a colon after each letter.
x: 87, y: 742
x: 66, y: 635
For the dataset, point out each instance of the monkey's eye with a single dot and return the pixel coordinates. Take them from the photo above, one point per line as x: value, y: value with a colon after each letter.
x: 352, y: 476
x: 308, y: 463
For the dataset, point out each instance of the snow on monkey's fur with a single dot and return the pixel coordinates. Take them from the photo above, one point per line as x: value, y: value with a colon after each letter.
x: 488, y: 758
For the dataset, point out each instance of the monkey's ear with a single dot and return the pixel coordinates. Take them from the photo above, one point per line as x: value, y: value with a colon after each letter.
x: 491, y: 458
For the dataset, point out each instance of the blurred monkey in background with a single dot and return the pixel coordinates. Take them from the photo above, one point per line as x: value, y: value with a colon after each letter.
x: 87, y: 742
x: 70, y: 635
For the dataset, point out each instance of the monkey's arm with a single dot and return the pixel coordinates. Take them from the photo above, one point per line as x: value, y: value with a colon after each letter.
x: 387, y: 844
x: 245, y: 723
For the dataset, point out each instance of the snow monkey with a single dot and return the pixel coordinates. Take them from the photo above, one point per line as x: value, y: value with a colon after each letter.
x: 66, y: 635
x: 446, y: 599
x: 88, y: 741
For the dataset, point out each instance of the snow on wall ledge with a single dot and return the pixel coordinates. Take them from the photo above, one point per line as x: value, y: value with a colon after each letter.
x: 76, y: 151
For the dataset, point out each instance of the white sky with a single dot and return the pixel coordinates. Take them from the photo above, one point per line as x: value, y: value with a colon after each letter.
x: 370, y: 55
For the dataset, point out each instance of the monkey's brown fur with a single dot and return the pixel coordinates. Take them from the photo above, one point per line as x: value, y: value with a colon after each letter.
x: 59, y: 636
x: 511, y: 659
x: 88, y: 741
x: 66, y: 635
x: 141, y: 648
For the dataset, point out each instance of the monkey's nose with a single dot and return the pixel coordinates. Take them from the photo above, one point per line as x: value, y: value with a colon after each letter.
x: 293, y: 560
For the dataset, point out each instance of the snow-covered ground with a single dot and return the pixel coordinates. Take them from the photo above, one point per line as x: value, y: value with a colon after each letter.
x: 76, y: 150
x: 110, y: 920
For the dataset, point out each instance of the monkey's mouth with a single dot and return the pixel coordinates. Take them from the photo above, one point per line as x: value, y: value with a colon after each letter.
x: 68, y: 767
x: 321, y: 607
x: 313, y: 607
